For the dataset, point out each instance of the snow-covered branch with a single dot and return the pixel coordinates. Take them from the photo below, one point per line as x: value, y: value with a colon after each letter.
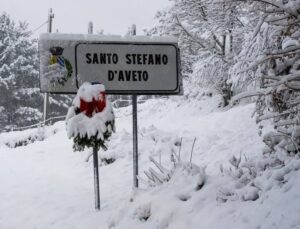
x: 188, y: 33
x: 278, y: 5
x: 276, y: 114
x: 285, y: 79
x: 289, y: 50
x: 259, y: 24
x: 249, y: 94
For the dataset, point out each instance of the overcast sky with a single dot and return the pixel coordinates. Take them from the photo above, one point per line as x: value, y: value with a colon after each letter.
x: 72, y: 16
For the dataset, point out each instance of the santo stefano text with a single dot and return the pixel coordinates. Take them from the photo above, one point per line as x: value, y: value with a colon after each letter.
x: 128, y: 59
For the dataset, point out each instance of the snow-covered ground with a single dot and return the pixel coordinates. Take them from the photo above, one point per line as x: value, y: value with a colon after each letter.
x: 46, y: 185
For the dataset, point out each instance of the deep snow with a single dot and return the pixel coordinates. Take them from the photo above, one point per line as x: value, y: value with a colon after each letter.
x: 47, y: 185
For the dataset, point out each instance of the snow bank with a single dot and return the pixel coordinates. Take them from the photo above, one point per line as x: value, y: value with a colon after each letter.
x: 50, y: 186
x: 21, y: 138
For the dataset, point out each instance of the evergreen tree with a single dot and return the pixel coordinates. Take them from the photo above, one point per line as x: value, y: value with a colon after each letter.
x: 20, y: 100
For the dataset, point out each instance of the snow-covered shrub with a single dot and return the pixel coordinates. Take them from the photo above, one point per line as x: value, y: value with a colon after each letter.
x: 90, y: 119
x: 15, y: 139
x: 143, y: 212
x: 25, y: 140
x: 272, y: 58
x: 253, y: 178
x: 211, y: 72
x: 107, y: 160
x: 162, y: 174
x: 243, y: 175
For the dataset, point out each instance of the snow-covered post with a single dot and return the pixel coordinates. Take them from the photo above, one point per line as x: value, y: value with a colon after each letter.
x: 90, y: 122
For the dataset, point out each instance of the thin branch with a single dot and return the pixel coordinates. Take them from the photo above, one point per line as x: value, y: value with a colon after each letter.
x: 180, y: 149
x: 192, y: 150
x: 274, y: 115
x: 144, y: 181
x: 278, y: 11
x: 241, y: 23
x: 295, y: 102
x: 287, y: 123
x: 291, y: 86
x: 259, y: 24
x: 248, y: 94
x: 156, y: 176
x: 277, y: 19
x: 275, y: 55
x: 270, y: 78
x: 203, y: 13
x: 255, y: 64
x: 218, y: 41
x: 149, y: 176
x: 188, y: 33
x: 89, y: 156
x: 196, y: 39
x: 277, y: 5
x: 284, y: 80
x: 159, y: 166
x: 285, y: 51
x: 293, y: 142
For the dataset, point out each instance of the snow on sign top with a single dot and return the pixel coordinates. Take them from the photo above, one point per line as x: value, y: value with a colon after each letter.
x: 102, y: 38
x: 125, y: 65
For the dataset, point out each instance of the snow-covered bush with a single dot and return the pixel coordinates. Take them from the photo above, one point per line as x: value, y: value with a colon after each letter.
x: 90, y: 120
x: 212, y: 72
x: 243, y: 187
x: 143, y: 212
x: 162, y: 174
x: 253, y: 178
x: 15, y: 139
x: 23, y: 138
x: 274, y: 60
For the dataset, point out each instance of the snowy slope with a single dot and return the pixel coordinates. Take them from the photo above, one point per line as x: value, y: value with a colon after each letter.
x: 47, y: 185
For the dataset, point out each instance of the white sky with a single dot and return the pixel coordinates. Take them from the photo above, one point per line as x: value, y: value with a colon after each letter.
x: 72, y: 16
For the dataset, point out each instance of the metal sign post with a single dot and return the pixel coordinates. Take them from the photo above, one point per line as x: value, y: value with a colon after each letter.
x: 135, y: 132
x: 96, y: 179
x: 135, y: 142
x: 95, y: 155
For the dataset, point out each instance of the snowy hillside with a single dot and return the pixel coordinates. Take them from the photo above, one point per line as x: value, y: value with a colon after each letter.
x: 44, y: 184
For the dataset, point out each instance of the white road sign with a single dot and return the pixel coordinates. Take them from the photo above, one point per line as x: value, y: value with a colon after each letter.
x: 125, y: 65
